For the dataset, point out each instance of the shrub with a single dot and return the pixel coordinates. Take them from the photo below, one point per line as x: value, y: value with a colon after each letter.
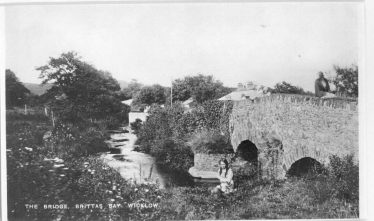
x: 209, y: 142
x: 12, y: 116
x: 155, y: 128
x: 174, y: 154
x: 70, y: 140
x: 344, y: 174
x: 136, y: 126
x: 37, y: 177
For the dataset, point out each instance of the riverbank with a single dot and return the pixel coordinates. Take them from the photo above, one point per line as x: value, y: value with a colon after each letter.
x: 46, y: 183
x: 38, y: 177
x: 132, y: 165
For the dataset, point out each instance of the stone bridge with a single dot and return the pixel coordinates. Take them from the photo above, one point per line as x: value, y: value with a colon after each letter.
x: 284, y: 129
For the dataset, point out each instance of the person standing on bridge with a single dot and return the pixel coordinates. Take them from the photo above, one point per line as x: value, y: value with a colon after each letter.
x: 322, y: 87
x: 225, y: 176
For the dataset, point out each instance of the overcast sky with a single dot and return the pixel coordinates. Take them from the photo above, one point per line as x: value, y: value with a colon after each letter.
x: 153, y: 43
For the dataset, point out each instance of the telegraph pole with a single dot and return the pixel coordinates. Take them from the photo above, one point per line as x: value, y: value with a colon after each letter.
x: 171, y: 93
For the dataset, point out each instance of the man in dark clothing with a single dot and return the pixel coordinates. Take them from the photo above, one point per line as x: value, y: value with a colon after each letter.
x: 321, y: 86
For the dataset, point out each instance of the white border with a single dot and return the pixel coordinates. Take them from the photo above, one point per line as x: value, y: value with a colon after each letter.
x: 366, y: 101
x: 367, y: 192
x: 362, y: 113
x: 3, y: 184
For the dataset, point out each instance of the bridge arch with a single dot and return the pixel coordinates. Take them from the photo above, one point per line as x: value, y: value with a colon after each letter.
x: 247, y: 151
x: 304, y: 127
x: 305, y: 166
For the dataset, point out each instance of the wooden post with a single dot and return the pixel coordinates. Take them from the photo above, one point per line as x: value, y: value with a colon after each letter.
x: 171, y: 94
x: 25, y: 109
x: 45, y: 111
x: 53, y: 119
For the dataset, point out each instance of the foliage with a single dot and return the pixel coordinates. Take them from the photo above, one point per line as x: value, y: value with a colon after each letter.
x: 38, y: 176
x: 345, y: 177
x: 288, y: 88
x: 155, y: 128
x: 289, y: 199
x: 209, y: 142
x: 174, y: 125
x: 136, y: 126
x: 150, y: 95
x: 346, y: 81
x: 79, y: 90
x: 217, y: 116
x: 34, y: 100
x: 16, y: 92
x: 131, y: 90
x: 69, y: 140
x: 200, y: 87
x: 158, y: 137
x: 172, y: 154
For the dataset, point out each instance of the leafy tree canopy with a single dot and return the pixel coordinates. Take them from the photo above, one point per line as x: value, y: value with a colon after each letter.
x: 79, y: 90
x: 16, y: 92
x: 346, y: 81
x: 155, y: 94
x: 288, y: 88
x: 131, y: 90
x: 200, y: 87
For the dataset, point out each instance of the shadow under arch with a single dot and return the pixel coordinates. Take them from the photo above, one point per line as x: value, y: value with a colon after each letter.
x: 305, y: 166
x: 247, y: 151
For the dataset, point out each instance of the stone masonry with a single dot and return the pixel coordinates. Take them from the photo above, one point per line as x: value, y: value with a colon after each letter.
x: 206, y: 165
x: 286, y: 128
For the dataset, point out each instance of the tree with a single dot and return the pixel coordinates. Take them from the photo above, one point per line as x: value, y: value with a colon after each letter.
x: 288, y: 88
x: 149, y: 95
x: 79, y: 90
x: 346, y: 81
x: 16, y: 92
x: 131, y: 90
x: 200, y: 87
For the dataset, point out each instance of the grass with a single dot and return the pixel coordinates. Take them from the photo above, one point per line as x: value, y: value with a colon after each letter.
x: 291, y: 199
x: 36, y: 176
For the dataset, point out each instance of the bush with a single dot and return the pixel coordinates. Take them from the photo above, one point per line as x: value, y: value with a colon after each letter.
x: 136, y: 126
x: 174, y: 154
x: 209, y: 142
x: 36, y: 176
x: 69, y: 140
x: 174, y: 126
x: 155, y: 128
x: 345, y: 177
x: 13, y: 116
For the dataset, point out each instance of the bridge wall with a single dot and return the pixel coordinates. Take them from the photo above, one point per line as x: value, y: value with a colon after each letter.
x: 286, y: 128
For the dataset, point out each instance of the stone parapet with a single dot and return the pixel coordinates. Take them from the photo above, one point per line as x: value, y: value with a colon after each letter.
x: 209, y: 162
x: 203, y: 174
x: 305, y: 126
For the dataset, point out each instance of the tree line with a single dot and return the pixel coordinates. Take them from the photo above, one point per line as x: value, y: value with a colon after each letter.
x: 80, y: 91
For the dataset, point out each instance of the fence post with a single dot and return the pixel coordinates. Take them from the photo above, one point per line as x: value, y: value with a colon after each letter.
x: 53, y: 119
x: 25, y: 109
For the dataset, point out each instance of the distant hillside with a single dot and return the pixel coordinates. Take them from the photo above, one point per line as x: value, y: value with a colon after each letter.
x: 37, y: 89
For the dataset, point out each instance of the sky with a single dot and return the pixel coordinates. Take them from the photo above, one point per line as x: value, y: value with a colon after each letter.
x: 154, y: 43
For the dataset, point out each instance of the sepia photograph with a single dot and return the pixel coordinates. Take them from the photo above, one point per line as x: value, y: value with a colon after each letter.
x: 182, y: 110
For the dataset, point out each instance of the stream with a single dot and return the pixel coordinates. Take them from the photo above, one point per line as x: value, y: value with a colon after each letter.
x: 136, y: 166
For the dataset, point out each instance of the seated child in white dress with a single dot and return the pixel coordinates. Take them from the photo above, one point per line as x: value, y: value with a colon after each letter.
x: 225, y: 176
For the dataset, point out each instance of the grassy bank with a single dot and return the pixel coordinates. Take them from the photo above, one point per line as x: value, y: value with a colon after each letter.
x: 291, y: 199
x: 65, y: 169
